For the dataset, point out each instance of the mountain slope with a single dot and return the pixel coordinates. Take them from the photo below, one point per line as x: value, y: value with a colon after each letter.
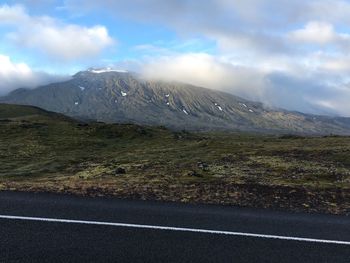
x: 32, y: 113
x: 119, y: 96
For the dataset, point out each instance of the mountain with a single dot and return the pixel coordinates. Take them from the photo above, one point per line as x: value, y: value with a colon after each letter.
x: 112, y: 96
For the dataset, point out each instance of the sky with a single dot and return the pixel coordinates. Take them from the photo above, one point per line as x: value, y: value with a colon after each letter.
x: 288, y: 54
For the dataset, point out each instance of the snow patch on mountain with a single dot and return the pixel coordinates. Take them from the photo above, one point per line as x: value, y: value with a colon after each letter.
x: 104, y: 70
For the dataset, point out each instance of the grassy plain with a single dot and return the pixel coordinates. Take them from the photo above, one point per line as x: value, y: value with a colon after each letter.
x: 43, y: 151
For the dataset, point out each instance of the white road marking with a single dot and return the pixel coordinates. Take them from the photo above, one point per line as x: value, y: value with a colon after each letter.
x: 168, y: 228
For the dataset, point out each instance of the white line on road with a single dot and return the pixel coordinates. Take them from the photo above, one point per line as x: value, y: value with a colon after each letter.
x: 168, y: 228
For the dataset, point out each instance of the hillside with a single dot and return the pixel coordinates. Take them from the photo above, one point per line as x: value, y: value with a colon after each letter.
x: 54, y: 154
x: 25, y: 112
x: 122, y: 97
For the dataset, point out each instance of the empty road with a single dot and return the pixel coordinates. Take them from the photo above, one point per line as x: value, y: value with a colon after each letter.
x: 62, y: 228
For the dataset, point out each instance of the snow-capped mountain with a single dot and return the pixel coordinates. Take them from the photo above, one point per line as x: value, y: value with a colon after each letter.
x: 112, y: 95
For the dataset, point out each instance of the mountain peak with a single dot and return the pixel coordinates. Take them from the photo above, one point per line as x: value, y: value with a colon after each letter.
x: 99, y: 71
x: 105, y: 70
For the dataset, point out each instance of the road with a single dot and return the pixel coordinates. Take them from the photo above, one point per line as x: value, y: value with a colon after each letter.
x: 62, y: 228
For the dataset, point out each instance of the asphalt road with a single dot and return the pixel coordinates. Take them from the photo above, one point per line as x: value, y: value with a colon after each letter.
x: 112, y: 230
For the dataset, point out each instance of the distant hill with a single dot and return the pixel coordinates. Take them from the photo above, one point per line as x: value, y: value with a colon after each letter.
x: 115, y: 96
x: 25, y: 112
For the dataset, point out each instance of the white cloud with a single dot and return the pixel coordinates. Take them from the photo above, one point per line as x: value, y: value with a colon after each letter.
x: 338, y: 65
x: 205, y: 70
x: 10, y: 14
x: 315, y: 32
x: 52, y: 37
x: 320, y: 33
x: 227, y: 17
x: 15, y: 75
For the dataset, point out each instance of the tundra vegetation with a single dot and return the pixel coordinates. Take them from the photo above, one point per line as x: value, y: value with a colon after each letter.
x: 44, y: 151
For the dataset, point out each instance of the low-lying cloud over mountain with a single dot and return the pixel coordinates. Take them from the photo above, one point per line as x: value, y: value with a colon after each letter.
x: 311, y: 93
x: 16, y: 75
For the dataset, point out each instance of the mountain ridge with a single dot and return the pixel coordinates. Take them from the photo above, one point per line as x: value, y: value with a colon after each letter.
x: 111, y: 96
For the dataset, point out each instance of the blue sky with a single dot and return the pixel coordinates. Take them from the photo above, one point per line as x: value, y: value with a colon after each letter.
x: 289, y: 54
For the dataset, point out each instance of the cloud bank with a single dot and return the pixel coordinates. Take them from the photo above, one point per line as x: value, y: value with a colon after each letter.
x: 283, y: 89
x: 16, y: 75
